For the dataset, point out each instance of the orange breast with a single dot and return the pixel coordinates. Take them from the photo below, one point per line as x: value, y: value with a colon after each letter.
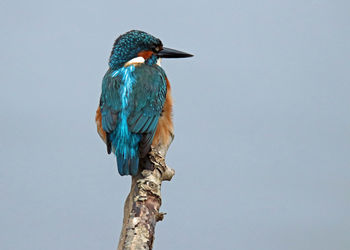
x: 98, y: 120
x: 165, y: 129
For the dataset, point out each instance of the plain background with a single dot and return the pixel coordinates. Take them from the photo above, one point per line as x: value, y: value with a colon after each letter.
x: 262, y: 124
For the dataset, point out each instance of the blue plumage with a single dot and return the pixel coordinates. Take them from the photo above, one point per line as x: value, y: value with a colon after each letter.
x: 126, y: 45
x: 131, y: 102
x: 133, y: 97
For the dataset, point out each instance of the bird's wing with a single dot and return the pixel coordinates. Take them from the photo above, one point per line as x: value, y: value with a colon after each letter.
x: 110, y: 102
x: 144, y: 106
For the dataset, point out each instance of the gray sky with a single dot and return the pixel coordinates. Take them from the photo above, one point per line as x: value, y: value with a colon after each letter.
x: 262, y: 124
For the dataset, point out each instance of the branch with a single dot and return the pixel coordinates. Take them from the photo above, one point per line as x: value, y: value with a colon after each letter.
x: 141, y: 208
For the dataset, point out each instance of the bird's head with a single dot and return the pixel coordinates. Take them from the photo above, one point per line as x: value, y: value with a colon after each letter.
x: 137, y: 43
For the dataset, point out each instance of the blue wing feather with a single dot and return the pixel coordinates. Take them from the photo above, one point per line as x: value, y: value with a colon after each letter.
x: 130, y: 113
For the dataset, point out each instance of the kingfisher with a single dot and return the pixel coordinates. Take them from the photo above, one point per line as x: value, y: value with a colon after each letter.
x: 135, y: 109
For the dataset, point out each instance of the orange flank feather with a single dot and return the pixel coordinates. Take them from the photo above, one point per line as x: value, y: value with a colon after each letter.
x: 145, y: 54
x: 98, y: 120
x: 165, y: 129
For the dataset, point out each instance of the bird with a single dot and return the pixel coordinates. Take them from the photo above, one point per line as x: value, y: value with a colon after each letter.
x: 135, y: 108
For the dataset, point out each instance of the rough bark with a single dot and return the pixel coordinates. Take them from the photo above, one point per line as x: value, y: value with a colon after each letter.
x: 141, y: 208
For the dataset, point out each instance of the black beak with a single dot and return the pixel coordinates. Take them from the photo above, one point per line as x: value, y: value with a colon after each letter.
x: 172, y: 53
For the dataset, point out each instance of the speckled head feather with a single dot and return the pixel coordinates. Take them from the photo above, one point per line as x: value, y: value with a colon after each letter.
x: 130, y: 44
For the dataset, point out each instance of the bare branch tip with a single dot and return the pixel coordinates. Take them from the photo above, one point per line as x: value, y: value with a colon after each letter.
x: 160, y: 216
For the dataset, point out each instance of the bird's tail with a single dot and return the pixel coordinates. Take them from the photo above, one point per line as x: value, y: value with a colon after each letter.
x: 128, y: 166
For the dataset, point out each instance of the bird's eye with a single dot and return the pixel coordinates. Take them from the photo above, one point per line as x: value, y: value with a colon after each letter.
x: 156, y: 49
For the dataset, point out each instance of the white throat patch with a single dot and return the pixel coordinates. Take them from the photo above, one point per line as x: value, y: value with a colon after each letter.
x: 140, y: 59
